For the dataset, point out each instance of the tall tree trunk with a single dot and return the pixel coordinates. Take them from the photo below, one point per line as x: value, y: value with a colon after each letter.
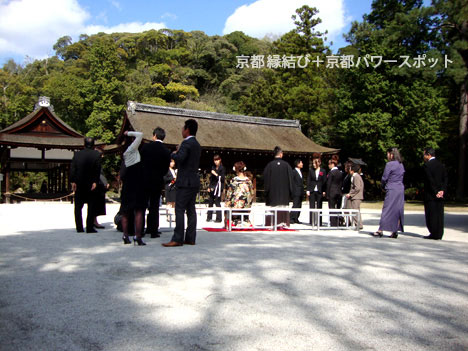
x: 463, y: 138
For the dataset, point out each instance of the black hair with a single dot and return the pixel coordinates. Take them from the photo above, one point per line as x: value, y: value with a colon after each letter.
x: 429, y: 151
x: 89, y: 142
x: 239, y: 166
x: 277, y: 150
x: 355, y: 167
x: 159, y: 133
x: 296, y: 162
x: 192, y: 126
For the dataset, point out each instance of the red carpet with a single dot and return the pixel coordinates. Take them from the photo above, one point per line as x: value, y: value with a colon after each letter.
x: 247, y: 229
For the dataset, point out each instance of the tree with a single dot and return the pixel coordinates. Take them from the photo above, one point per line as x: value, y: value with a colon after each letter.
x: 306, y: 21
x: 388, y: 105
x: 453, y: 28
x: 17, y: 97
x: 105, y: 90
x: 304, y: 92
x: 61, y: 45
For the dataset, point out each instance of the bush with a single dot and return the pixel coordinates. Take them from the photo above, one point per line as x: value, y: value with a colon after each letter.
x: 412, y: 194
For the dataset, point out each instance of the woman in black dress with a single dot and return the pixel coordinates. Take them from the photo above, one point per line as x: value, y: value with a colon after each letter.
x: 133, y: 199
x: 100, y: 200
x: 217, y: 176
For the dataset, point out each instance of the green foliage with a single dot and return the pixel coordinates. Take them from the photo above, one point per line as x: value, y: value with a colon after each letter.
x: 178, y: 92
x: 27, y: 182
x: 391, y: 106
x: 361, y: 110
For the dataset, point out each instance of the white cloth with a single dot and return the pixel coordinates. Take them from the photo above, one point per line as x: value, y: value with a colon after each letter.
x: 132, y: 155
x: 217, y: 191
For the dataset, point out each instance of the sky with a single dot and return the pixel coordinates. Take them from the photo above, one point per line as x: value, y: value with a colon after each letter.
x: 30, y: 28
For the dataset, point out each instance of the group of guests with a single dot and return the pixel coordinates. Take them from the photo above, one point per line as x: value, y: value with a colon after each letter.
x: 147, y: 169
x: 145, y: 172
x: 282, y: 183
x: 435, y: 187
x: 240, y: 191
x: 343, y: 189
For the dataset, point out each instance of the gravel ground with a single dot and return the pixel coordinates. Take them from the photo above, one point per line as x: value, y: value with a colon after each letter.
x: 301, y: 290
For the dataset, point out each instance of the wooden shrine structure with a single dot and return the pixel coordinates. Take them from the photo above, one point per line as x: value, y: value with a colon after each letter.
x: 39, y: 142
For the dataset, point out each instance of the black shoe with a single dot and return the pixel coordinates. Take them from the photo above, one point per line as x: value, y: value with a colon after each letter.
x: 298, y: 222
x: 218, y: 220
x: 80, y: 230
x: 138, y: 241
x: 98, y: 226
x: 394, y: 235
x: 209, y: 220
x: 430, y: 237
x: 377, y: 234
x: 155, y: 235
x: 126, y: 240
x: 91, y: 231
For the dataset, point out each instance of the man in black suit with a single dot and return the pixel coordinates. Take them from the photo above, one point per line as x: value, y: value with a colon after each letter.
x: 334, y: 183
x: 298, y: 190
x: 84, y: 177
x: 187, y: 158
x: 155, y: 158
x: 435, y: 187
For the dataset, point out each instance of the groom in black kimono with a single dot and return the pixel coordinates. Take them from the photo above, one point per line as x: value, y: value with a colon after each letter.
x: 278, y: 180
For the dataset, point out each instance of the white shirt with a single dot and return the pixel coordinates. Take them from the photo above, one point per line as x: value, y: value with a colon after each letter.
x: 132, y: 155
x: 299, y: 171
x: 317, y: 172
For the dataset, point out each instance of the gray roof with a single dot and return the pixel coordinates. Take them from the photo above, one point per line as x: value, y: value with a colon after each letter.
x: 223, y: 131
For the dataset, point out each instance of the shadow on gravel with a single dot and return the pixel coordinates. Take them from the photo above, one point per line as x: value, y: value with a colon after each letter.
x: 63, y: 290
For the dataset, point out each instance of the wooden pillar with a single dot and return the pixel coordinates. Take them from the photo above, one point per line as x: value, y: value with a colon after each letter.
x: 67, y: 175
x: 49, y: 181
x: 55, y: 180
x: 5, y: 160
x: 6, y: 179
x: 52, y: 178
x: 63, y: 173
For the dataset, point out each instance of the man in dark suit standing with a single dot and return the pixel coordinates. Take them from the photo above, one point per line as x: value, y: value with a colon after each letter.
x: 84, y: 177
x: 298, y: 190
x: 187, y: 158
x: 334, y: 183
x: 155, y: 158
x: 435, y: 187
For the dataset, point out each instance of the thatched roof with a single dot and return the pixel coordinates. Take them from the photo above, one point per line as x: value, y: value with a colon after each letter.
x: 222, y: 131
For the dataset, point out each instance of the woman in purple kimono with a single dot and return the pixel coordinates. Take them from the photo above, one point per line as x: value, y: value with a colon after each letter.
x: 392, y: 181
